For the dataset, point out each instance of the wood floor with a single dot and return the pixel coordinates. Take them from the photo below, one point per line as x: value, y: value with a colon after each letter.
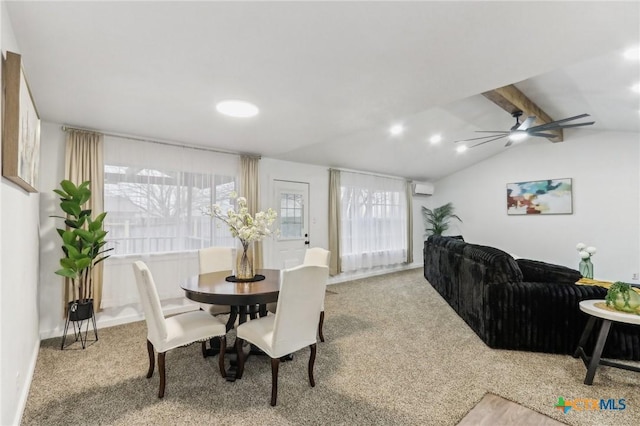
x: 493, y: 410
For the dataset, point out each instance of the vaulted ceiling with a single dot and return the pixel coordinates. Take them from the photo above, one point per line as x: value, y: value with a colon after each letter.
x: 329, y: 77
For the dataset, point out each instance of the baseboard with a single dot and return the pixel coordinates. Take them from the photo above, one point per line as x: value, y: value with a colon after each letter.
x: 358, y: 275
x: 24, y: 394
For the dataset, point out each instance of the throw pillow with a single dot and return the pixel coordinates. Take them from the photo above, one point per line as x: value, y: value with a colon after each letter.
x: 536, y: 271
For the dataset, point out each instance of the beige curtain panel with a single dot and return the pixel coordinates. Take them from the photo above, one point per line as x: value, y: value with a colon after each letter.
x: 335, y: 265
x: 409, y: 222
x: 250, y: 189
x: 84, y: 161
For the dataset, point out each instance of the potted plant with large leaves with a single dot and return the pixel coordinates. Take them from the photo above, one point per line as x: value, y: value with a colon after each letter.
x: 83, y: 245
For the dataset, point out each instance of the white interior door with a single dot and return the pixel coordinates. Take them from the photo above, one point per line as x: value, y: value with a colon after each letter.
x: 292, y: 199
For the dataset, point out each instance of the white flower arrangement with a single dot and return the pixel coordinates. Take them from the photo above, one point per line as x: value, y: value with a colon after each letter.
x: 242, y: 225
x: 584, y: 251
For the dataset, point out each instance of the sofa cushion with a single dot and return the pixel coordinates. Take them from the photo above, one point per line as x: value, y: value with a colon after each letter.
x: 536, y: 271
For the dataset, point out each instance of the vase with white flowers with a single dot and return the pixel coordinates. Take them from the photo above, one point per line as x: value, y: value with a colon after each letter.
x: 585, y: 267
x: 247, y: 229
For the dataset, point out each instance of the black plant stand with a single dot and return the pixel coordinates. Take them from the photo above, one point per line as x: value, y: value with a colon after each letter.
x: 78, y: 313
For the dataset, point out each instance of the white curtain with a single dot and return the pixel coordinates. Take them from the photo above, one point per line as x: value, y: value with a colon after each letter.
x: 373, y: 220
x: 155, y: 195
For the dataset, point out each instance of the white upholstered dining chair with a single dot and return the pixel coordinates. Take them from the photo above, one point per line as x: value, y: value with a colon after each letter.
x: 293, y: 326
x: 215, y: 259
x: 313, y: 256
x: 164, y: 334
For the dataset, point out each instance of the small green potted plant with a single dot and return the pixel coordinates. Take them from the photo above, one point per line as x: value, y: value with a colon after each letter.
x: 623, y: 298
x: 436, y: 221
x: 83, y: 245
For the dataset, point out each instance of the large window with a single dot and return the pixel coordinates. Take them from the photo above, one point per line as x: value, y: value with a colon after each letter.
x: 156, y: 200
x: 155, y: 211
x: 373, y: 221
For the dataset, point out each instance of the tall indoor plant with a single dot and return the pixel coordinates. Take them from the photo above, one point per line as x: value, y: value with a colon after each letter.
x: 83, y: 242
x: 436, y: 221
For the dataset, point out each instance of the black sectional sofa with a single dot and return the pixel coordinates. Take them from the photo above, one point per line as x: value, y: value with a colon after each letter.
x: 518, y: 304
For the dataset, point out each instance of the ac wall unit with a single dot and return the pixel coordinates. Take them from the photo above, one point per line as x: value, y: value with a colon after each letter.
x: 425, y: 188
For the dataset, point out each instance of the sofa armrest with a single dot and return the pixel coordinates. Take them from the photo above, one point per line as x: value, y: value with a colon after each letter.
x: 536, y: 271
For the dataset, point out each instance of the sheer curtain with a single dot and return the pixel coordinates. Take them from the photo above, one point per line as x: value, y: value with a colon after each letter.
x: 373, y: 221
x: 155, y: 195
x: 84, y: 162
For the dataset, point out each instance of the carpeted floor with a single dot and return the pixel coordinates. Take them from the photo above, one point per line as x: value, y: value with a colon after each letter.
x: 396, y: 353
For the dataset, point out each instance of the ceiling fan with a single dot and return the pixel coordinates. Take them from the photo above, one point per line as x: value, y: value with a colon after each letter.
x: 520, y: 131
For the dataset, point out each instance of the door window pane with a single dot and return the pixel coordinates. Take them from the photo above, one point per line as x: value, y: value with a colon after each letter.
x: 291, y: 215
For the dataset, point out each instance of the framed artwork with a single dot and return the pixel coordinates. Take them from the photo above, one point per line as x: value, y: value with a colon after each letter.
x: 20, y: 127
x: 550, y: 196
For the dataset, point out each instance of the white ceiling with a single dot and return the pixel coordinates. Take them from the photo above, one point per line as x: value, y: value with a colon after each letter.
x: 329, y: 77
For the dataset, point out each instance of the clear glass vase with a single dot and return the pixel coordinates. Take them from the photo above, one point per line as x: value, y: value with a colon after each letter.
x: 586, y: 268
x: 244, y: 264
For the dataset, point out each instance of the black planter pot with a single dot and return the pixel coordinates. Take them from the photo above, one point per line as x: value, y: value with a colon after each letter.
x: 78, y: 312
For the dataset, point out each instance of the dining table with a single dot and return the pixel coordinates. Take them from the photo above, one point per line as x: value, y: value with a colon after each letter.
x: 247, y: 299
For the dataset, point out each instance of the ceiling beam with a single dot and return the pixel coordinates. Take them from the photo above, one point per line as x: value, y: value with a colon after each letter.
x: 510, y: 99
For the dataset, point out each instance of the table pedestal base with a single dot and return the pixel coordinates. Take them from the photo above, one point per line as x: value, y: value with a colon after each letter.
x: 592, y: 362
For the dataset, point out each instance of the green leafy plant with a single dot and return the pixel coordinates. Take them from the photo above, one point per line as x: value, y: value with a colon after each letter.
x: 623, y: 298
x: 436, y: 221
x: 83, y: 240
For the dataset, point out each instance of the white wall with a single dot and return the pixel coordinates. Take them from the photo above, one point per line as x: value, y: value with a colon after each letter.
x: 19, y: 340
x: 605, y: 172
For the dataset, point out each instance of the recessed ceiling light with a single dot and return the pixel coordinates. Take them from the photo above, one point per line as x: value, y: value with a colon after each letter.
x: 435, y: 139
x: 396, y: 130
x: 633, y: 54
x: 636, y: 87
x: 234, y: 108
x: 461, y: 148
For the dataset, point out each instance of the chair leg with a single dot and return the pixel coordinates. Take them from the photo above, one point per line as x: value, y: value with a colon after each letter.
x: 312, y: 361
x: 320, y: 324
x: 162, y: 374
x: 151, y: 359
x: 240, y: 360
x: 223, y: 348
x: 275, y: 363
x: 204, y: 349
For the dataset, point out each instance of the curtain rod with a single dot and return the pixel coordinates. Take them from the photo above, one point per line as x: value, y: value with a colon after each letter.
x: 66, y: 128
x: 358, y: 172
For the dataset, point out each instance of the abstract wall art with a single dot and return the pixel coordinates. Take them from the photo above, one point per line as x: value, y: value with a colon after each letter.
x: 20, y: 127
x: 541, y: 197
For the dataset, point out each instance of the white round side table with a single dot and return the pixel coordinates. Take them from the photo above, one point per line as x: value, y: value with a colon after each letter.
x: 606, y: 316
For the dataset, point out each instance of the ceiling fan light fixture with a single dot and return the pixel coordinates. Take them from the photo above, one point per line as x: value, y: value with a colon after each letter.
x: 236, y: 108
x: 518, y: 135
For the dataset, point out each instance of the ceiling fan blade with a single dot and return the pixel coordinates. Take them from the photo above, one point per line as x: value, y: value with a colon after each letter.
x: 509, y: 142
x: 490, y: 140
x: 554, y: 124
x: 527, y: 123
x: 567, y: 126
x: 543, y: 135
x: 478, y: 138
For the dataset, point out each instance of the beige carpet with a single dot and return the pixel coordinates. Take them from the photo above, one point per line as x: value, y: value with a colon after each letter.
x: 395, y: 353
